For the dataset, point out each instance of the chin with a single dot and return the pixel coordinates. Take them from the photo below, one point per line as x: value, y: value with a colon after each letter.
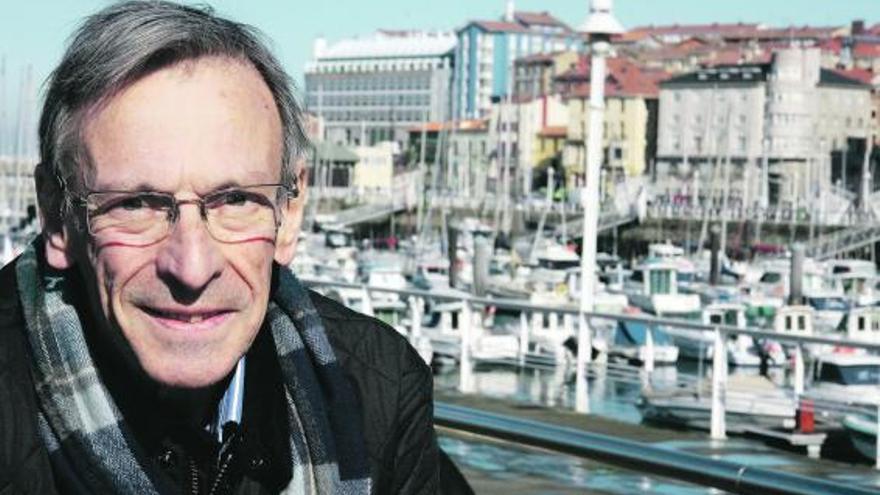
x: 195, y: 372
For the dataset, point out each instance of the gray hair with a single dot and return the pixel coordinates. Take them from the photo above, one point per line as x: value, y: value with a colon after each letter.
x: 125, y: 42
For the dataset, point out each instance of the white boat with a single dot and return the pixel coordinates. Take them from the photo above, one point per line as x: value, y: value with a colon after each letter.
x: 843, y: 383
x: 486, y: 342
x: 862, y: 431
x: 653, y: 287
x: 630, y: 342
x: 741, y: 349
x: 750, y: 402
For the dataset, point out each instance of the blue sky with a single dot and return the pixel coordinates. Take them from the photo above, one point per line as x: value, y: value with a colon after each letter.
x: 34, y: 31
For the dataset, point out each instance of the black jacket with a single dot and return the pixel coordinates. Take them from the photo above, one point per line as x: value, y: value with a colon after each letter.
x: 392, y: 384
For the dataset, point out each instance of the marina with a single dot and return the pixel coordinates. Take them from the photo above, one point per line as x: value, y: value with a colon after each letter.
x: 664, y: 283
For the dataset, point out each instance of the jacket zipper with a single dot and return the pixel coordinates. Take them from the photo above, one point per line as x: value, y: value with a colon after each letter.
x: 220, y: 474
x: 194, y: 478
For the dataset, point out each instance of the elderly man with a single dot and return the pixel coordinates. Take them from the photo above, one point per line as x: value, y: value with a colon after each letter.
x: 153, y: 340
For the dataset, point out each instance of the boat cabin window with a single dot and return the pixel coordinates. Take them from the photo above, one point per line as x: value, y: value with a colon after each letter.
x: 840, y: 269
x: 802, y: 322
x: 828, y: 303
x: 724, y: 318
x: 661, y: 282
x: 865, y: 374
x: 730, y: 317
x: 788, y: 320
x: 771, y: 278
x: 638, y: 276
x: 558, y: 264
x: 861, y: 322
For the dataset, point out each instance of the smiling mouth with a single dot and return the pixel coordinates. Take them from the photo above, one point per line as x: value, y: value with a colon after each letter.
x: 188, y: 317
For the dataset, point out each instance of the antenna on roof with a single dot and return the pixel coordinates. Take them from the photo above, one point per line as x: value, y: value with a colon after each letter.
x: 509, y: 11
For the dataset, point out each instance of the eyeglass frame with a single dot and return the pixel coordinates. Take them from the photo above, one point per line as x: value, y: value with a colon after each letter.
x: 291, y: 192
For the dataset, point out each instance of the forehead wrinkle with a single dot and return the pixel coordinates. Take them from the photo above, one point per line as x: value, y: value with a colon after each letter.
x: 244, y: 88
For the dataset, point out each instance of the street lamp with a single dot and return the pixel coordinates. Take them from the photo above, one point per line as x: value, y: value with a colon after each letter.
x: 600, y: 25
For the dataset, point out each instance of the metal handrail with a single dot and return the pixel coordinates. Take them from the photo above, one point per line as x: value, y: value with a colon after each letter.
x: 574, y: 310
x: 643, y: 457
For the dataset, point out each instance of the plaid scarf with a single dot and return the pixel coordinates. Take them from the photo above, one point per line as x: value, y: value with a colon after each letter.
x: 89, y: 440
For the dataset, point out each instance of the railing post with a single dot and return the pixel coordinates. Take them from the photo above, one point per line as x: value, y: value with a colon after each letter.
x: 415, y: 312
x: 648, y: 358
x: 798, y: 371
x: 466, y: 369
x: 877, y: 441
x: 584, y: 356
x: 719, y: 387
x: 523, y: 337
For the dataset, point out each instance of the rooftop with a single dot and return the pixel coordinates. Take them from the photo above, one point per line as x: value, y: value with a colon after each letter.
x: 554, y: 131
x: 539, y: 19
x: 624, y: 78
x: 523, y: 22
x: 391, y: 44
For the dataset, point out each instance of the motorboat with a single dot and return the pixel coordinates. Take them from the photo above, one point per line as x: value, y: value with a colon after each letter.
x: 634, y: 340
x: 751, y: 401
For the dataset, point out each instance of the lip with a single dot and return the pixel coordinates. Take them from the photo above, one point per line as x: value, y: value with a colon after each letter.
x: 187, y: 320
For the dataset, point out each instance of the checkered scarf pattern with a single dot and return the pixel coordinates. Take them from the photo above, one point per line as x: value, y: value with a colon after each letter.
x: 89, y: 440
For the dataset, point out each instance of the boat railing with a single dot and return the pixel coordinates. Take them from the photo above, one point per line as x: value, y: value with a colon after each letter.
x: 563, y: 322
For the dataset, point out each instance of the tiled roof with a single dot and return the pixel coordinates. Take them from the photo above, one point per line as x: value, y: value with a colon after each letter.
x: 539, y: 19
x: 501, y: 27
x: 474, y: 125
x: 866, y: 50
x: 864, y: 76
x: 829, y: 77
x: 794, y: 32
x: 624, y: 78
x: 554, y: 131
x: 714, y: 29
x: 430, y: 127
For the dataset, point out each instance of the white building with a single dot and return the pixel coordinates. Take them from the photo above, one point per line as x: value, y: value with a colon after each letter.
x: 372, y: 89
x: 725, y: 123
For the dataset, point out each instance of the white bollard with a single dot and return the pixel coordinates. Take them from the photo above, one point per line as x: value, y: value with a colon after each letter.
x: 719, y: 385
x: 466, y: 366
x: 648, y: 358
x: 523, y: 337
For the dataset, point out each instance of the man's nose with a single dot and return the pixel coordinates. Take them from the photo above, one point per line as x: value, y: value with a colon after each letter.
x: 190, y: 258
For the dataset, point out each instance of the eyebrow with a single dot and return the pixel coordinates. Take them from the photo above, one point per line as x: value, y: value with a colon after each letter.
x: 145, y: 187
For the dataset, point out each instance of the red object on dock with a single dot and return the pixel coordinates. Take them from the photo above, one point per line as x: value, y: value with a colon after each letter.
x: 806, y: 415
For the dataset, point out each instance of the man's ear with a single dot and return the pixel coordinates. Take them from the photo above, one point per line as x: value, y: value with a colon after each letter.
x: 288, y: 233
x: 55, y: 235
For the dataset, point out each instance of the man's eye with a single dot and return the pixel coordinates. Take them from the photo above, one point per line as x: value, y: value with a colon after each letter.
x: 234, y: 198
x: 132, y: 203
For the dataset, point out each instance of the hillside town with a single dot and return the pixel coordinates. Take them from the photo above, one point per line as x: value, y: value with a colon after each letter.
x: 746, y: 117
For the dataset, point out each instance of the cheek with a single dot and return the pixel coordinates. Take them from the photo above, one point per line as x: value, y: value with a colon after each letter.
x: 253, y: 267
x: 115, y: 269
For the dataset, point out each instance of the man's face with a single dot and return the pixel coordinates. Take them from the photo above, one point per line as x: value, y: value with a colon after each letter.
x: 188, y: 305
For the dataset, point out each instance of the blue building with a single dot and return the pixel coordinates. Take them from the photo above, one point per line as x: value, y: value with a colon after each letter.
x: 485, y: 51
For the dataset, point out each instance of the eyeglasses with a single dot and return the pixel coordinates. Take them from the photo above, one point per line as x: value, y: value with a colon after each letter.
x: 141, y: 218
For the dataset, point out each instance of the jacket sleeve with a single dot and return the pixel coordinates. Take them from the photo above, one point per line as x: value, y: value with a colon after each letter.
x: 416, y: 461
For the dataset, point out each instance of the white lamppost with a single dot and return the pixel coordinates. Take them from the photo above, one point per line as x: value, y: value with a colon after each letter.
x: 600, y: 25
